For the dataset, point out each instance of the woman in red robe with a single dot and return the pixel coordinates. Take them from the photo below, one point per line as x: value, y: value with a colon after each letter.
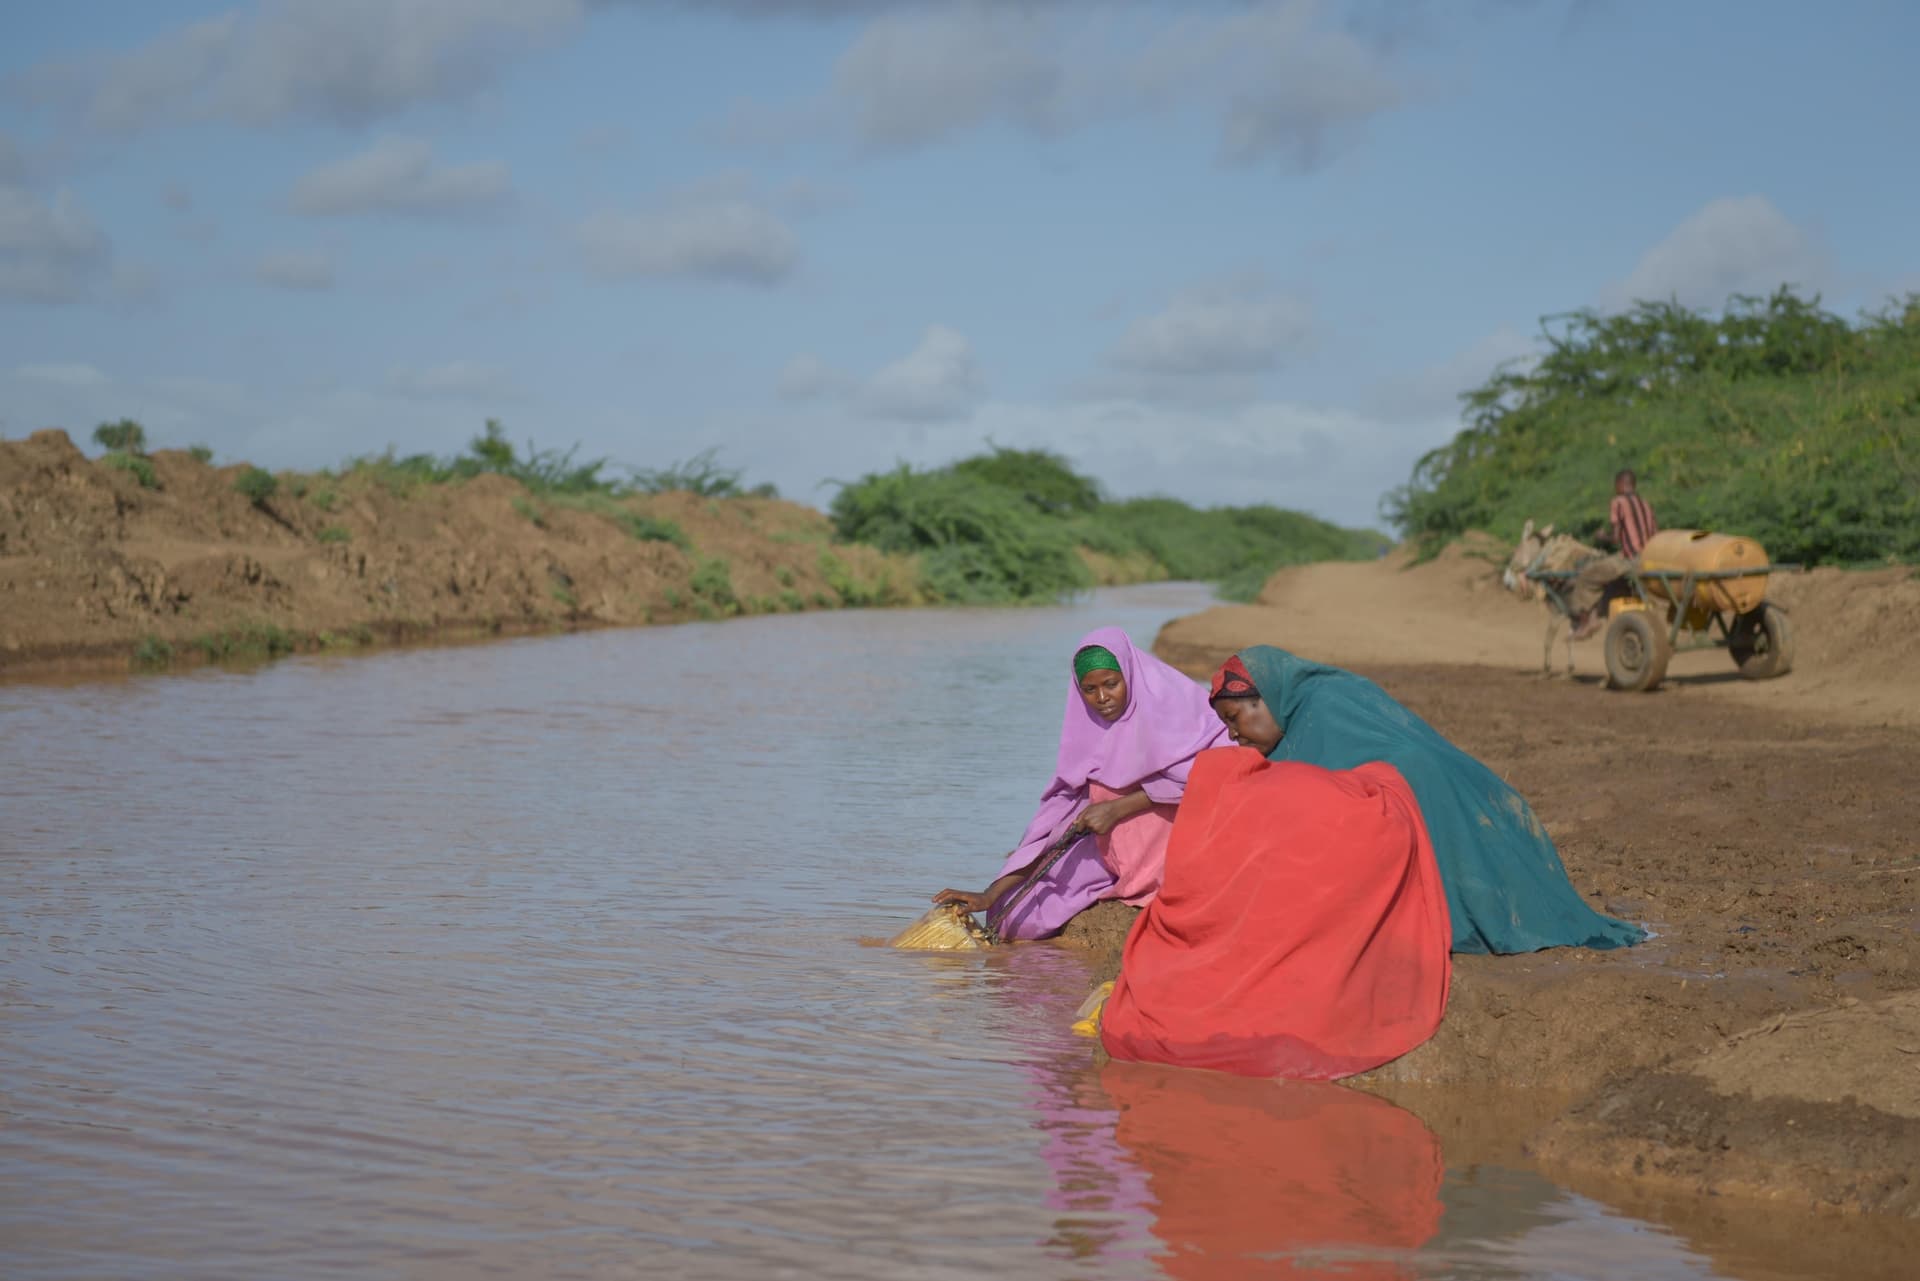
x: 1301, y: 929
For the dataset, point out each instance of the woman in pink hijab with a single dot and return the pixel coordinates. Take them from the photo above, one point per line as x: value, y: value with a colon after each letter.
x: 1132, y: 728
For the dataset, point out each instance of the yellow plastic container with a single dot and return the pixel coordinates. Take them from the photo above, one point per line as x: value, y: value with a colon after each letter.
x: 1087, y: 1017
x: 1700, y: 551
x: 947, y: 927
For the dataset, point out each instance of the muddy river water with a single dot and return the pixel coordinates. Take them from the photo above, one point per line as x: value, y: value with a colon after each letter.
x: 540, y: 959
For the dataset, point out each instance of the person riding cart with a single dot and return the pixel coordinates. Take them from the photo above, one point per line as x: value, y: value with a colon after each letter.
x: 1630, y: 523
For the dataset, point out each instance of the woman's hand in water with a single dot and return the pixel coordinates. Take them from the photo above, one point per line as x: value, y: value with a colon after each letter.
x: 1103, y: 816
x: 965, y: 898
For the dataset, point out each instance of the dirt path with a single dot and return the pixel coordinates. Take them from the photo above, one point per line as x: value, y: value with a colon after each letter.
x: 1857, y: 634
x: 1767, y: 1042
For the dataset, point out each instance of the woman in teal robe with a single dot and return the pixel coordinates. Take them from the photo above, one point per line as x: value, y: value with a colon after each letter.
x: 1506, y: 888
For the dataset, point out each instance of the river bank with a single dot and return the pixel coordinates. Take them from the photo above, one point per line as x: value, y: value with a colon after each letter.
x: 100, y: 569
x: 1766, y: 1042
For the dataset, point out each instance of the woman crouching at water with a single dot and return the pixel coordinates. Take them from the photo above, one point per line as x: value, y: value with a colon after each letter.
x: 1130, y: 732
x: 1507, y: 890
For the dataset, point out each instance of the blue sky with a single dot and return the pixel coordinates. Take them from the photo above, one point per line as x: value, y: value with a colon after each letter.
x: 1233, y: 252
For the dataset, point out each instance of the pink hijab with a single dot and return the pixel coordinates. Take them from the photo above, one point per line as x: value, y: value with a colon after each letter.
x: 1167, y: 723
x: 1151, y: 746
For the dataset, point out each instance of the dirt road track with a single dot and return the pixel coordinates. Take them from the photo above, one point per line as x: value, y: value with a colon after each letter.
x: 1857, y: 634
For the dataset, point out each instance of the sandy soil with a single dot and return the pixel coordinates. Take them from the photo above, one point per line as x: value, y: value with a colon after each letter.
x: 92, y: 565
x: 1857, y: 633
x: 1767, y: 1042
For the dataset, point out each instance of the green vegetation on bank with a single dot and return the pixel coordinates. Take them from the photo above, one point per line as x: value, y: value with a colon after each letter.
x: 1008, y: 526
x: 1771, y: 418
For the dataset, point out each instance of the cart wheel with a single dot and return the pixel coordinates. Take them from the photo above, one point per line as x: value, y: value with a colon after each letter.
x: 1761, y: 642
x: 1637, y: 651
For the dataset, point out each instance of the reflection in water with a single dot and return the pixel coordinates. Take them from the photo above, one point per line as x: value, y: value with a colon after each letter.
x: 1231, y: 1177
x: 1261, y: 1178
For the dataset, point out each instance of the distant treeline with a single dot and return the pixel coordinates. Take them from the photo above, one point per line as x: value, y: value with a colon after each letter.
x: 1009, y: 526
x: 1771, y: 418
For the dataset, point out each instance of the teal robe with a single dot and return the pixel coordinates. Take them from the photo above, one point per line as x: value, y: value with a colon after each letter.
x: 1506, y: 887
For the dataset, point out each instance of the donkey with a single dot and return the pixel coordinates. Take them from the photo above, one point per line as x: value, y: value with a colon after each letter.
x: 1543, y: 549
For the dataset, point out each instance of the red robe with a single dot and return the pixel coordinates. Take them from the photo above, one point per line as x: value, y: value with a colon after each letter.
x: 1301, y: 929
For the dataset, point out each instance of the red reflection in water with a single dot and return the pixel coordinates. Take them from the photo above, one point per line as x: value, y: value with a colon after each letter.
x: 1232, y: 1176
x: 1244, y: 1175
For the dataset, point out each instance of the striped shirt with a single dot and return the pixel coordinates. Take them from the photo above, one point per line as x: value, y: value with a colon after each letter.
x: 1633, y: 523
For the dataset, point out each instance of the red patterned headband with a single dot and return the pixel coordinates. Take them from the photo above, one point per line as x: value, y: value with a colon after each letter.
x: 1232, y: 681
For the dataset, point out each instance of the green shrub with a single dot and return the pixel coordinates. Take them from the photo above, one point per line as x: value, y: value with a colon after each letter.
x: 254, y: 640
x: 152, y: 652
x: 256, y: 485
x: 702, y: 475
x: 1044, y: 480
x: 335, y: 534
x: 542, y: 470
x: 978, y: 543
x: 201, y: 453
x: 1220, y: 543
x: 324, y: 499
x: 123, y: 437
x: 1243, y: 585
x: 535, y: 516
x: 1772, y: 418
x: 792, y: 602
x: 1006, y: 526
x: 400, y: 477
x: 712, y: 582
x: 140, y: 468
x: 850, y: 590
x: 648, y: 530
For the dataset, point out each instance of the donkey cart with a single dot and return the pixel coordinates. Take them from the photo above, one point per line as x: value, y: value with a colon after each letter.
x: 1676, y: 600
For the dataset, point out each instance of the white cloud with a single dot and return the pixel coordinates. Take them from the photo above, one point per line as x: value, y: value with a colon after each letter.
x: 810, y: 378
x: 1736, y: 244
x: 939, y: 381
x: 13, y: 165
x: 1288, y: 87
x: 399, y: 175
x: 67, y: 375
x: 1434, y: 392
x: 303, y: 270
x: 342, y: 61
x: 50, y: 250
x: 1211, y: 331
x: 699, y: 233
x: 454, y: 380
x: 914, y: 77
x: 1285, y: 85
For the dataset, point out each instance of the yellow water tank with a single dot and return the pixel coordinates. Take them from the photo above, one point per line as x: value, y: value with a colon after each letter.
x: 1701, y: 551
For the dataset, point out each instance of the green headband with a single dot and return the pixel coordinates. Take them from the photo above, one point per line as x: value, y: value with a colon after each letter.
x: 1094, y: 658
